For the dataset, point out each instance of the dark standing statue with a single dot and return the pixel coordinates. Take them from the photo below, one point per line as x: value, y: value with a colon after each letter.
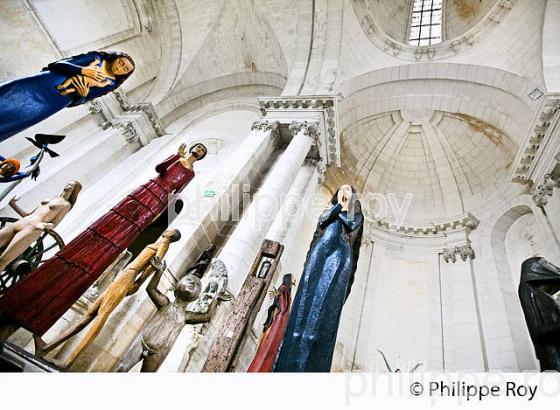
x: 540, y: 280
x: 69, y: 82
x: 154, y: 344
x: 310, y: 337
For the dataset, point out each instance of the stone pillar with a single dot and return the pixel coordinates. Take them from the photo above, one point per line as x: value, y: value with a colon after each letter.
x: 249, y: 234
x: 203, y: 217
x: 463, y: 345
x: 291, y: 206
x: 288, y: 216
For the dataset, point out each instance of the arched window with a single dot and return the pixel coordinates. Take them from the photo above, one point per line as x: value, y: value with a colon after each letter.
x: 425, y: 23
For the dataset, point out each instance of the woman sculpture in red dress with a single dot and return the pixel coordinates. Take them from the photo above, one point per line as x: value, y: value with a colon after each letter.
x: 274, y: 327
x: 40, y: 299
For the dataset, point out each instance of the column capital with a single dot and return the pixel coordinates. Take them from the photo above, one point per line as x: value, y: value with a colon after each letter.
x: 310, y: 128
x: 265, y: 125
x: 465, y: 252
x: 543, y: 191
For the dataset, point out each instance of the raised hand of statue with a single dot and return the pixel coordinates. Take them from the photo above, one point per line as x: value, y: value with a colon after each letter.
x: 157, y: 264
x: 273, y: 293
x: 344, y: 194
x: 182, y: 151
x: 94, y: 71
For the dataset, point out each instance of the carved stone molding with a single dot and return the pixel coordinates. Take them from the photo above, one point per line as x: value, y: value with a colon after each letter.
x: 128, y: 130
x: 536, y: 155
x: 545, y: 190
x: 145, y: 108
x: 464, y: 252
x: 319, y: 112
x: 139, y: 122
x: 465, y: 222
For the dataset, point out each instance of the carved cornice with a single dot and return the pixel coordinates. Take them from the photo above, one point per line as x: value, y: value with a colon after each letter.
x: 128, y: 130
x: 535, y: 156
x: 139, y: 122
x: 542, y: 192
x: 465, y: 222
x: 145, y: 108
x: 365, y: 12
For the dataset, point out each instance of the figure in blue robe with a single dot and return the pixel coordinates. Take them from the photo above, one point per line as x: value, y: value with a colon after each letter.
x: 308, y: 344
x: 27, y: 101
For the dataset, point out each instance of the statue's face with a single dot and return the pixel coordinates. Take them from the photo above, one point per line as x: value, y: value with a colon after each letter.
x: 173, y: 234
x: 7, y: 170
x: 69, y: 189
x: 188, y: 288
x: 122, y: 66
x: 345, y: 191
x: 198, y: 151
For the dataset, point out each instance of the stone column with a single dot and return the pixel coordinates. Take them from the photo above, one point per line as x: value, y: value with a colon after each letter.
x: 290, y: 215
x: 291, y: 206
x: 203, y: 217
x: 463, y: 340
x: 242, y: 246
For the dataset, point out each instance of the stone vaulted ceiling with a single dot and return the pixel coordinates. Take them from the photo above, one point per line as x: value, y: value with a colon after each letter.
x: 449, y: 162
x: 222, y: 45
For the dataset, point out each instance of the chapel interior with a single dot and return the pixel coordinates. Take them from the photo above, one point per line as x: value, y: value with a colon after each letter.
x: 443, y: 115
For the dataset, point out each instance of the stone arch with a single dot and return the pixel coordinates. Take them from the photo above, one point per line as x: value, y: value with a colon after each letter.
x: 236, y: 85
x: 522, y: 344
x: 492, y: 95
x: 210, y: 109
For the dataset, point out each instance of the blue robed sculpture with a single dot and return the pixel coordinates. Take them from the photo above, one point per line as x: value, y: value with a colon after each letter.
x: 310, y: 337
x: 69, y: 82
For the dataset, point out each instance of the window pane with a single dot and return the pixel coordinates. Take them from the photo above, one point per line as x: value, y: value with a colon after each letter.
x: 427, y: 15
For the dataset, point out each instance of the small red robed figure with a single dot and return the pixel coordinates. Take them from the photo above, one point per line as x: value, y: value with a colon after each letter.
x: 42, y: 297
x: 274, y: 327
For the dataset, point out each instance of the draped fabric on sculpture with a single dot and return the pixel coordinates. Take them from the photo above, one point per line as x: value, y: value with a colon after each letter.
x: 309, y: 341
x: 44, y: 295
x: 27, y: 101
x: 539, y: 281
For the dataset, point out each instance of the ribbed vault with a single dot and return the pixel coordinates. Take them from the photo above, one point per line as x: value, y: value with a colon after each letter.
x: 449, y: 162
